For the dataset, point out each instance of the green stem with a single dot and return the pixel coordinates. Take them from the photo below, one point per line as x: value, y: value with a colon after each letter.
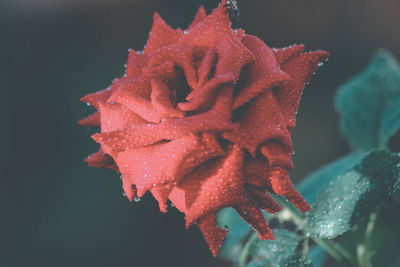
x: 364, y: 251
x: 306, y: 248
x: 337, y: 252
x: 298, y: 217
x: 245, y: 252
x: 370, y: 228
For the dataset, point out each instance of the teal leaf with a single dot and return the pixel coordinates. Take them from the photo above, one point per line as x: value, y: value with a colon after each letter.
x: 296, y: 261
x: 317, y: 255
x: 376, y: 241
x: 315, y: 182
x: 383, y: 244
x: 238, y: 231
x: 369, y: 104
x: 273, y: 252
x: 354, y: 195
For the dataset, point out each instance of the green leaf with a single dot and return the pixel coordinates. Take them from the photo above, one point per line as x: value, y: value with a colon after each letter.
x: 383, y: 246
x: 273, y: 252
x: 238, y: 231
x: 354, y: 195
x: 317, y: 256
x: 379, y: 245
x: 369, y: 104
x: 314, y: 183
x: 296, y: 261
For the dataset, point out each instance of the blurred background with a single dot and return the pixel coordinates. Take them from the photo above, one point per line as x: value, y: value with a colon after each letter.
x: 55, y: 210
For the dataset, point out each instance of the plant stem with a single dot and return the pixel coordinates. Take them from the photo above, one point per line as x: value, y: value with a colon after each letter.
x: 337, y: 252
x: 306, y: 248
x: 245, y: 251
x: 364, y: 251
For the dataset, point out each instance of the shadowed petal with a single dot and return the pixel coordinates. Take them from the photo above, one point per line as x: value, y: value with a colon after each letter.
x: 180, y: 55
x: 211, y: 187
x: 263, y: 200
x: 300, y: 69
x: 161, y: 99
x: 281, y: 185
x: 256, y: 171
x: 101, y: 160
x: 253, y: 216
x: 232, y: 55
x: 91, y: 121
x: 277, y: 154
x: 261, y: 121
x: 261, y: 75
x: 212, y: 234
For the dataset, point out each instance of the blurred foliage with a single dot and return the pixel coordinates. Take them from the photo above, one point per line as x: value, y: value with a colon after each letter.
x: 273, y: 252
x: 369, y: 104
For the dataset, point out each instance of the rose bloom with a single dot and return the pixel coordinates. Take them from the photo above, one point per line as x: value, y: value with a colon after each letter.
x: 203, y: 118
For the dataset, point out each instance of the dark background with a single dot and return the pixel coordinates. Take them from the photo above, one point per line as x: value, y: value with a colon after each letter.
x: 55, y: 211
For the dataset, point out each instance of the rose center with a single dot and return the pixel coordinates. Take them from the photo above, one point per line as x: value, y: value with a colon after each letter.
x: 181, y: 88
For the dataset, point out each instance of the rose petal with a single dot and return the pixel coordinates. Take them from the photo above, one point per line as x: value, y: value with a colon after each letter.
x: 281, y: 185
x: 161, y: 99
x: 263, y: 199
x: 204, y: 96
x: 201, y: 14
x: 166, y: 163
x: 116, y: 117
x: 101, y: 160
x: 161, y: 194
x: 262, y: 74
x: 212, y: 234
x: 216, y: 119
x: 284, y: 54
x: 300, y: 70
x: 232, y: 55
x: 135, y: 95
x: 253, y: 216
x: 260, y: 122
x: 210, y: 30
x: 210, y: 187
x: 277, y: 154
x: 181, y: 55
x: 161, y: 35
x: 98, y: 97
x: 205, y: 67
x: 130, y: 190
x: 91, y: 121
x: 136, y: 63
x: 256, y: 172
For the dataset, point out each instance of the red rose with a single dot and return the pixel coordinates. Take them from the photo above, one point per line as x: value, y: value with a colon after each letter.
x: 203, y: 118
